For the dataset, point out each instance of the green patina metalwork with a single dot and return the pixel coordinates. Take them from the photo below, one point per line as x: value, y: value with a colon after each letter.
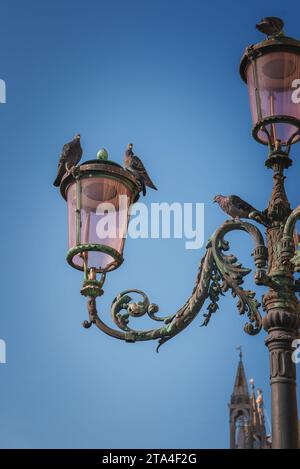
x: 102, y: 154
x: 217, y: 274
x: 287, y: 250
x: 118, y: 259
x: 91, y: 288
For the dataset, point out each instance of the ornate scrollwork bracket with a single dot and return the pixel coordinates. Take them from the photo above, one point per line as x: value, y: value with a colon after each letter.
x: 233, y: 273
x: 218, y: 272
x: 288, y: 243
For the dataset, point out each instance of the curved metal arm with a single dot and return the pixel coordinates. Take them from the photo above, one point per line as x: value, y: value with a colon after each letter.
x: 288, y: 244
x: 172, y: 324
x: 215, y: 267
x: 291, y: 222
x: 233, y: 273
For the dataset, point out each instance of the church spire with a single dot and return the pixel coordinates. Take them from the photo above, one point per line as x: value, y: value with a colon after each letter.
x: 240, y: 409
x: 240, y: 390
x: 247, y: 425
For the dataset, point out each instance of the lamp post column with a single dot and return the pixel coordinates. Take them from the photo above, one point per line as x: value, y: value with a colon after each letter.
x: 281, y: 321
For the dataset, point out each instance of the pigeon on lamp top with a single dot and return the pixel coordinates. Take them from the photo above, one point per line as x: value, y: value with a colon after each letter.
x: 234, y: 206
x: 133, y: 164
x: 271, y: 26
x: 70, y: 156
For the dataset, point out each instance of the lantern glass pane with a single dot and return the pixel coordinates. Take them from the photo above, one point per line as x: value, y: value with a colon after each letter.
x: 278, y: 77
x: 104, y: 218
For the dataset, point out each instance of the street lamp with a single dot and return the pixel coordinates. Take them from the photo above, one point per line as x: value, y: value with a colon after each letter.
x: 271, y: 70
x: 99, y: 194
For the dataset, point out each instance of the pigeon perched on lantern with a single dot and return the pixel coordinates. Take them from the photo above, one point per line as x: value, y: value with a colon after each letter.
x: 271, y: 26
x: 234, y: 206
x: 133, y: 164
x: 70, y: 156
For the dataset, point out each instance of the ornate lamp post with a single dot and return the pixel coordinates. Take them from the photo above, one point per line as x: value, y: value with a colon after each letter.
x: 270, y: 69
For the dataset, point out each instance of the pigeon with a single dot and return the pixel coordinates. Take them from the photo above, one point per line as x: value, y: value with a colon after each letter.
x: 133, y: 164
x: 234, y: 206
x: 271, y: 26
x: 70, y: 157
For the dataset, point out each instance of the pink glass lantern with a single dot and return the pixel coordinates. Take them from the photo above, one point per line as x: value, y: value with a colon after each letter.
x: 99, y: 195
x: 271, y: 70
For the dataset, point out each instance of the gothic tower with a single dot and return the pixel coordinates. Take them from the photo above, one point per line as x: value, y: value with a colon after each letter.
x: 247, y: 424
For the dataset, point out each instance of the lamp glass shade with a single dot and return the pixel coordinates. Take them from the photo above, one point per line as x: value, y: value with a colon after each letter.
x: 276, y: 75
x: 98, y: 215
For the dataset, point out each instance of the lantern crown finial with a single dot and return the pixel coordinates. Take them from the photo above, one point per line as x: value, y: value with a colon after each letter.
x: 271, y: 26
x: 102, y: 154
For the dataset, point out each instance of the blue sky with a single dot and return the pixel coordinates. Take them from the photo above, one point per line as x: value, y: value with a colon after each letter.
x: 163, y: 74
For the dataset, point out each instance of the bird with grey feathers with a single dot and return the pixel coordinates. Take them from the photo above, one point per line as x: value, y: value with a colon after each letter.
x: 133, y: 164
x: 234, y: 206
x: 70, y: 156
x: 271, y: 26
